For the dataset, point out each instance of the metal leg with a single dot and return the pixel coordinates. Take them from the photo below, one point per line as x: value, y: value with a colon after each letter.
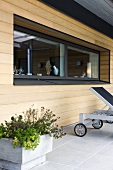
x: 81, y: 118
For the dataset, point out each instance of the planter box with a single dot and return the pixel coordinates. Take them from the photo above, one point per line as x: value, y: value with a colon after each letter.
x: 20, y: 159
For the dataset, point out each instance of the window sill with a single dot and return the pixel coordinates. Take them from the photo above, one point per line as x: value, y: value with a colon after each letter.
x: 52, y: 80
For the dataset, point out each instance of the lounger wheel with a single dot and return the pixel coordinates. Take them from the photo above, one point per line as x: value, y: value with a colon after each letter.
x: 80, y: 129
x: 97, y: 124
x: 109, y: 121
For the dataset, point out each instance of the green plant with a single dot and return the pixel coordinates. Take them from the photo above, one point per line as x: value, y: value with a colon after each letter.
x: 25, y: 129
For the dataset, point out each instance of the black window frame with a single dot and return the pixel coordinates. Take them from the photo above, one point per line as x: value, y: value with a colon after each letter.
x: 51, y: 80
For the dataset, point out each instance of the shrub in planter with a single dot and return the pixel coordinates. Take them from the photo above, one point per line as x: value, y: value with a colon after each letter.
x: 25, y: 130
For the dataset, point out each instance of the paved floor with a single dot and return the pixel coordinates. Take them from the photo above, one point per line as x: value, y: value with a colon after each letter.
x: 94, y: 151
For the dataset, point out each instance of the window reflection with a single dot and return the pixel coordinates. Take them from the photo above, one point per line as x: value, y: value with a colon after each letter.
x: 35, y: 55
x: 82, y: 63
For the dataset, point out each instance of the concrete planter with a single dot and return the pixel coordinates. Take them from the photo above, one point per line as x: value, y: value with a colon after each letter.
x: 21, y: 159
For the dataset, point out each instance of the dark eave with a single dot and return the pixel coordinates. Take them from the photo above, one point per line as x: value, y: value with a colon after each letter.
x: 78, y: 12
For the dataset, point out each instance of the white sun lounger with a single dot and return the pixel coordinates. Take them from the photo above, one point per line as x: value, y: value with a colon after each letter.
x: 96, y: 118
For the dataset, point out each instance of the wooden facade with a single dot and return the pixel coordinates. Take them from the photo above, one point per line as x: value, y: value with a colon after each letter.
x: 67, y: 101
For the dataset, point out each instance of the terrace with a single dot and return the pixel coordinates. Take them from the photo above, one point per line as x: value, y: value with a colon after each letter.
x: 94, y: 151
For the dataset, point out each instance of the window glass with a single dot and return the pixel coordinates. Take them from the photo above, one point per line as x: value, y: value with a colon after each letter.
x: 43, y: 59
x: 34, y: 55
x: 82, y: 63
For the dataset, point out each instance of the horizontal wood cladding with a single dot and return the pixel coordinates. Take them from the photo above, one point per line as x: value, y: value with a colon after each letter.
x: 6, y: 59
x: 6, y: 38
x: 37, y: 13
x: 6, y: 48
x: 5, y: 16
x: 6, y: 27
x: 41, y: 97
x: 21, y: 10
x: 104, y: 66
x: 6, y: 68
x: 60, y: 35
x: 64, y: 17
x: 6, y: 79
x: 66, y: 101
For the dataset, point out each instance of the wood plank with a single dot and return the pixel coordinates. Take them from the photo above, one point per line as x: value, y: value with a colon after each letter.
x: 54, y: 33
x: 6, y: 27
x: 67, y: 18
x: 57, y: 20
x: 6, y: 58
x: 73, y: 33
x: 6, y: 37
x: 20, y: 107
x: 6, y: 68
x: 12, y: 9
x: 72, y: 89
x: 6, y: 79
x: 5, y: 16
x: 32, y: 97
x: 6, y: 48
